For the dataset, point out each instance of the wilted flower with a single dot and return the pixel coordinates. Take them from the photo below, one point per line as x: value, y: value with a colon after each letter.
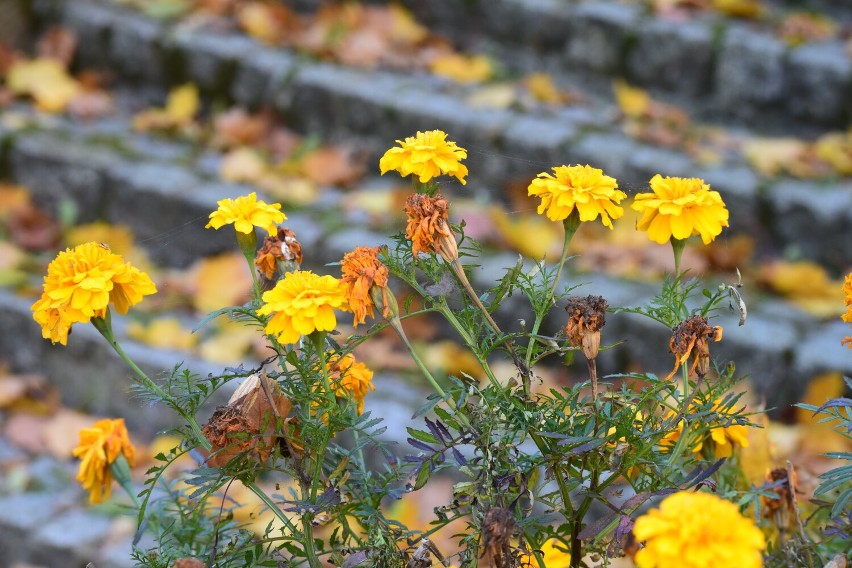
x: 583, y: 188
x: 283, y: 247
x: 498, y: 528
x: 364, y: 276
x: 698, y: 530
x: 426, y: 155
x: 428, y: 228
x: 350, y: 377
x: 586, y: 318
x: 245, y: 213
x: 724, y: 438
x: 847, y: 317
x: 780, y: 508
x: 679, y: 208
x: 300, y: 303
x: 690, y: 338
x: 81, y: 283
x: 100, y: 446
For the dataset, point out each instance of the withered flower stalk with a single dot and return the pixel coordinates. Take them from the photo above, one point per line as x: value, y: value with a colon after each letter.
x: 586, y: 318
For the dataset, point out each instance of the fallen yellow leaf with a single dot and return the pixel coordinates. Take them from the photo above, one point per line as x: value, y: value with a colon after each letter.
x: 243, y: 164
x: 632, y: 101
x: 45, y: 80
x: 165, y: 332
x: 183, y: 102
x: 806, y: 284
x: 462, y: 68
x: 530, y: 235
x: 220, y: 281
x: 739, y: 8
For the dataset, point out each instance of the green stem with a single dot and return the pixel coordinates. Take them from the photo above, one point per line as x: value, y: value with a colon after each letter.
x: 104, y: 326
x: 252, y: 486
x: 677, y: 248
x: 571, y: 224
x: 684, y: 434
x: 397, y: 326
x: 318, y: 339
x: 248, y: 246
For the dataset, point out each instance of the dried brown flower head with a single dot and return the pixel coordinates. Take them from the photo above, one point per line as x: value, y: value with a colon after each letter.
x: 428, y: 228
x: 189, y: 562
x: 249, y: 422
x: 690, y: 338
x: 362, y: 271
x: 281, y: 246
x: 780, y: 509
x: 498, y: 527
x: 586, y: 317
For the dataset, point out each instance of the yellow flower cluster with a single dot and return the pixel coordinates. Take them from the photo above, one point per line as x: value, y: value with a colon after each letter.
x: 81, y: 283
x: 99, y: 447
x: 426, y: 155
x: 698, y: 530
x: 302, y: 302
x: 553, y: 553
x: 680, y: 208
x: 245, y: 213
x: 583, y: 188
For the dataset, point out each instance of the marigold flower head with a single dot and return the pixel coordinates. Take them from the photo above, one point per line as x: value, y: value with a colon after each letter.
x: 690, y: 338
x: 282, y: 246
x: 724, y: 437
x: 586, y: 318
x: 426, y: 155
x: 847, y: 317
x: 81, y: 283
x: 583, y: 188
x: 350, y: 378
x: 99, y: 447
x: 680, y: 208
x: 362, y: 270
x: 300, y: 303
x: 245, y: 213
x: 428, y: 228
x: 698, y: 530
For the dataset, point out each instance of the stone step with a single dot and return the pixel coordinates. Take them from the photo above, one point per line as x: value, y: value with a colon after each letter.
x: 720, y: 68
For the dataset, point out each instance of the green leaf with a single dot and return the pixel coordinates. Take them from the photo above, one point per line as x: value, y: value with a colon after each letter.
x: 422, y: 436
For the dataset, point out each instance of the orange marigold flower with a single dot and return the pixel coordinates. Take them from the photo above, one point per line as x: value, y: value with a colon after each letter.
x: 281, y: 246
x: 350, y: 378
x: 680, y: 208
x: 698, y: 530
x: 99, y: 447
x: 426, y: 155
x: 362, y: 270
x: 690, y: 338
x: 300, y: 303
x: 847, y: 317
x: 81, y: 283
x: 583, y: 188
x: 245, y: 213
x: 428, y: 228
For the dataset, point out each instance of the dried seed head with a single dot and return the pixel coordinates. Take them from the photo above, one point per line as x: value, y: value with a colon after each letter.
x: 690, y: 338
x: 780, y: 508
x: 282, y: 247
x: 428, y: 227
x: 498, y: 527
x: 586, y: 318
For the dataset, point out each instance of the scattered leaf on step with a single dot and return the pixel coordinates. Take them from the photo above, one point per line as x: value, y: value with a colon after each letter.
x: 462, y: 68
x: 243, y: 164
x: 806, y: 284
x: 45, y: 80
x: 220, y: 281
x: 164, y: 332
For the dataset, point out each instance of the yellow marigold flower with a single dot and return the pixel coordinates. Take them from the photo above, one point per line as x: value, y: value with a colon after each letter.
x: 725, y: 438
x: 245, y: 213
x: 847, y: 317
x: 300, y: 303
x: 553, y: 552
x: 698, y: 530
x: 362, y: 270
x: 350, y: 377
x: 583, y: 188
x: 99, y: 447
x: 81, y: 283
x: 680, y: 208
x: 426, y: 155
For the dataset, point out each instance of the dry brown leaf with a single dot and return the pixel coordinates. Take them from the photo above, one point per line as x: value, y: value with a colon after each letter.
x: 28, y: 393
x: 33, y: 229
x: 267, y: 22
x: 243, y: 164
x: 164, y: 332
x: 219, y: 281
x: 45, y: 80
x: 90, y: 104
x: 26, y: 431
x: 13, y: 199
x: 333, y: 166
x: 236, y: 127
x: 57, y: 43
x: 61, y: 432
x: 462, y: 68
x: 802, y: 27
